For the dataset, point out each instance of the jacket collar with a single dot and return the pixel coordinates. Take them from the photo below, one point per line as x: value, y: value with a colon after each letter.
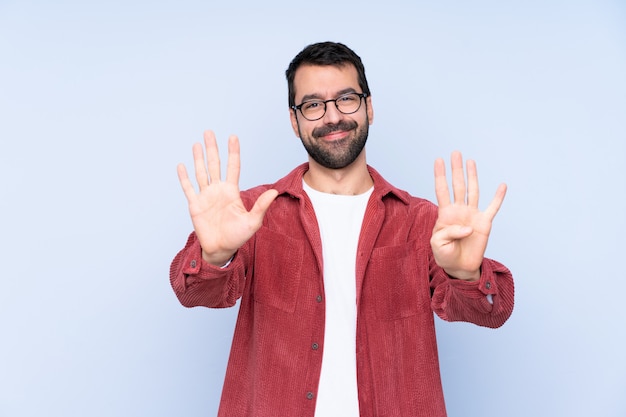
x: 292, y: 184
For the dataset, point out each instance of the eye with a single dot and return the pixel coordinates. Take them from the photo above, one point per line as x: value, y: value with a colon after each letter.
x: 311, y: 105
x: 347, y: 98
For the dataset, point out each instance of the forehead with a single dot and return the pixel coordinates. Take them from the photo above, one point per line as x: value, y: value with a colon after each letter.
x: 324, y: 81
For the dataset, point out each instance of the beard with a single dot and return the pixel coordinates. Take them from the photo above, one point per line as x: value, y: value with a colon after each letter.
x: 339, y: 153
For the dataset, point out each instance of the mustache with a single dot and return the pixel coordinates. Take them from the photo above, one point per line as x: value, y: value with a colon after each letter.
x: 343, y: 125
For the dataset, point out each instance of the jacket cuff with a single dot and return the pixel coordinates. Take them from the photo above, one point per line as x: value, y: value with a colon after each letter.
x: 487, y: 283
x: 194, y: 265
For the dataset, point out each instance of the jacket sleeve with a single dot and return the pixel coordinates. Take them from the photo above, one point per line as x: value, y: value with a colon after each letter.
x: 198, y: 283
x: 458, y: 300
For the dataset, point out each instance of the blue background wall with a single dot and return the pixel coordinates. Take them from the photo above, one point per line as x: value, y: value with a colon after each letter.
x: 100, y: 100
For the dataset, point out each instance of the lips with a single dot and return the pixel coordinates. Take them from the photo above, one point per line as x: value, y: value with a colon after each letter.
x: 340, y: 134
x: 335, y: 131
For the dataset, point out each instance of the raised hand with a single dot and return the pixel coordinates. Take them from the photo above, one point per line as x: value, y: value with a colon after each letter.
x: 220, y: 219
x: 461, y: 232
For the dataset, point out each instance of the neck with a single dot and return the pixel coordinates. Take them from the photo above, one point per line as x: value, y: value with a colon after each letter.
x: 352, y: 180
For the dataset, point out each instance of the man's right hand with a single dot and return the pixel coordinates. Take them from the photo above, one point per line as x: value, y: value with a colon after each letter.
x: 220, y: 219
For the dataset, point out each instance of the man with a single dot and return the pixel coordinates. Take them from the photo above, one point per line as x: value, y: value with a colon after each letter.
x: 338, y: 271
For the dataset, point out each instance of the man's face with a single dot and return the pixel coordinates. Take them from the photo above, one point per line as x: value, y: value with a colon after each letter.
x: 336, y: 140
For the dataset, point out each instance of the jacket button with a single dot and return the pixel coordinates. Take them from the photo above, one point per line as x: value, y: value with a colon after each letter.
x: 315, y: 346
x: 193, y: 263
x: 309, y: 395
x: 318, y: 299
x: 488, y: 285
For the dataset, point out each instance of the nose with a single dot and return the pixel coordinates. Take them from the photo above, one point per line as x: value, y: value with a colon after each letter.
x: 332, y: 115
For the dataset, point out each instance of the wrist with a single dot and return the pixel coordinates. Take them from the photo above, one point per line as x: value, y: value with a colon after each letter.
x: 470, y: 276
x: 217, y: 259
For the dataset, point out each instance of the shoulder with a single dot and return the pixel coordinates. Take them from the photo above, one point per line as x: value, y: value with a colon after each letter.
x: 390, y: 193
x: 402, y: 209
x: 288, y: 186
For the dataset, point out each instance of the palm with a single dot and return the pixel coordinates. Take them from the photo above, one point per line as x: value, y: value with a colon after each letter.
x: 461, y: 232
x: 220, y: 219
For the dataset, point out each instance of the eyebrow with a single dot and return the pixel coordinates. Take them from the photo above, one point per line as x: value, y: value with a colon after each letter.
x: 318, y: 97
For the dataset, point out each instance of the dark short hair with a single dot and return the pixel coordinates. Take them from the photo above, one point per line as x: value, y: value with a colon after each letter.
x: 325, y: 53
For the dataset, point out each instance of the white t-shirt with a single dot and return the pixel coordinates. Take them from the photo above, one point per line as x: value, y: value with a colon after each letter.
x: 339, y: 219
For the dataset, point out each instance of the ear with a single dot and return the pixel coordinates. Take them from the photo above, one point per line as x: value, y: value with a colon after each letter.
x: 294, y: 121
x: 370, y: 109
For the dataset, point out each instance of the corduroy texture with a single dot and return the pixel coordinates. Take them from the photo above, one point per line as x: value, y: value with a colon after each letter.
x: 273, y: 368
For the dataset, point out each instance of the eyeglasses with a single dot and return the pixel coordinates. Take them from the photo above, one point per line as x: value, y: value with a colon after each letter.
x: 316, y: 109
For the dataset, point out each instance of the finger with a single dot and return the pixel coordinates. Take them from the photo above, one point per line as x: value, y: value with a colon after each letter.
x: 441, y: 184
x: 472, y: 184
x: 458, y: 178
x: 234, y: 160
x: 496, y: 203
x: 449, y: 234
x: 185, y: 183
x: 212, y: 156
x: 200, y: 166
x: 263, y: 203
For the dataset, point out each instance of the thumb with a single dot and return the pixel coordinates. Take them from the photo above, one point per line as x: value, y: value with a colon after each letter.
x: 263, y: 202
x: 451, y: 233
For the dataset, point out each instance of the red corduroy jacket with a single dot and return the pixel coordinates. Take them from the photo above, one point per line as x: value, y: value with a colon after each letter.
x: 276, y: 354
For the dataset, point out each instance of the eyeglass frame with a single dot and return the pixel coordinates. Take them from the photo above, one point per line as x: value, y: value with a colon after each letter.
x: 324, y: 102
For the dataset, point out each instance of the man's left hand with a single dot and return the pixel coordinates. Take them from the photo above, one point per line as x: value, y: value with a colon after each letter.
x: 461, y: 232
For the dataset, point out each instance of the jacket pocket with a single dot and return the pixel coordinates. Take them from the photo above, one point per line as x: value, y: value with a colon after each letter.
x: 398, y: 282
x: 277, y: 269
